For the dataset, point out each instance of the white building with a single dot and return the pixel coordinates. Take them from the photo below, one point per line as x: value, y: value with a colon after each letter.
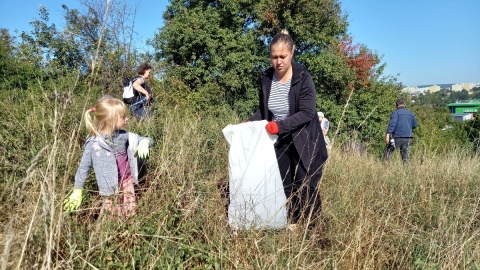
x: 463, y: 116
x: 414, y: 90
x: 461, y: 86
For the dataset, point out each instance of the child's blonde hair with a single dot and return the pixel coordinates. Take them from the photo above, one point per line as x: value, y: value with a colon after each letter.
x: 106, y: 111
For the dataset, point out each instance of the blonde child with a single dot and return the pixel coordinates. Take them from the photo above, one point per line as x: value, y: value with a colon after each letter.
x: 112, y: 152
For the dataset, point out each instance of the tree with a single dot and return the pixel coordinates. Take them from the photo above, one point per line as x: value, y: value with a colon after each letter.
x: 17, y: 69
x: 225, y: 42
x: 211, y: 43
x: 6, y: 56
x: 360, y: 60
x: 97, y: 42
x: 106, y: 32
x: 221, y: 47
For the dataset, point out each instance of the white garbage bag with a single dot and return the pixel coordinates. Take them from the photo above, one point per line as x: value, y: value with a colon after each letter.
x: 257, y: 198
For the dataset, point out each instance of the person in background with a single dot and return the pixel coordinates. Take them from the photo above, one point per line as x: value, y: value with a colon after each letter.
x: 400, y: 132
x: 141, y: 108
x: 112, y: 152
x: 325, y: 125
x: 287, y: 100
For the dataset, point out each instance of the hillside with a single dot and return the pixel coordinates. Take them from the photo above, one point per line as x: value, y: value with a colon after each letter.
x: 375, y: 216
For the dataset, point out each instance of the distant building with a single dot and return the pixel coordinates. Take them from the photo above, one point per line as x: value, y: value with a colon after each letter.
x: 414, y: 90
x: 461, y: 86
x: 463, y: 116
x: 422, y: 89
x: 409, y: 89
x: 457, y: 87
x: 464, y: 111
x: 434, y: 88
x: 464, y: 107
x: 417, y: 92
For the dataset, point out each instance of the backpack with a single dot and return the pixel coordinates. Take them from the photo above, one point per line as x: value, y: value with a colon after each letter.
x: 130, y: 95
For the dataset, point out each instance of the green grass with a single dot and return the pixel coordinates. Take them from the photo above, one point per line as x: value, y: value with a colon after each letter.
x: 375, y: 215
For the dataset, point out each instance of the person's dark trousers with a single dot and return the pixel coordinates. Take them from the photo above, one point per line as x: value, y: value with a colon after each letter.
x: 403, y: 144
x: 300, y: 188
x: 141, y: 108
x: 140, y: 111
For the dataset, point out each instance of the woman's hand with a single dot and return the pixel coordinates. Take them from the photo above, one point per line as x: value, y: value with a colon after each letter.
x: 272, y: 127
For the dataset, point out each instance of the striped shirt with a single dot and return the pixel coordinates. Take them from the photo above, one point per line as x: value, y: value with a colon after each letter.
x: 278, y: 101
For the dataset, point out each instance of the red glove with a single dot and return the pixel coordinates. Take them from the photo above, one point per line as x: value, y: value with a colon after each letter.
x: 272, y: 127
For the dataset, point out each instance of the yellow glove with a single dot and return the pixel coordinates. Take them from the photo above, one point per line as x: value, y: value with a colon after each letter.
x: 143, y: 150
x: 74, y: 200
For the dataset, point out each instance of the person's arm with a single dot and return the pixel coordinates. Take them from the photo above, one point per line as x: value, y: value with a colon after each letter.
x: 415, y: 123
x: 387, y: 138
x: 306, y: 107
x: 391, y: 126
x: 84, y: 166
x: 137, y: 85
x: 73, y: 201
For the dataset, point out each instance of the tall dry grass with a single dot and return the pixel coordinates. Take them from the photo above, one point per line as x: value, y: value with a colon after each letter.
x: 424, y: 215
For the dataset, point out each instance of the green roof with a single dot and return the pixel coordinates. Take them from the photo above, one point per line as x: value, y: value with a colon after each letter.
x: 468, y: 104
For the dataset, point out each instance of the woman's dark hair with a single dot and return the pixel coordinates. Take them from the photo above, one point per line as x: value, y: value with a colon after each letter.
x: 283, y: 37
x: 142, y: 68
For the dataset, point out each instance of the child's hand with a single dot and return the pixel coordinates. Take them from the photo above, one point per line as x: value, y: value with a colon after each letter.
x: 74, y: 200
x: 143, y: 150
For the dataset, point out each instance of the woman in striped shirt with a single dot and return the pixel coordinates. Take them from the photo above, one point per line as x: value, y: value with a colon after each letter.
x: 287, y: 99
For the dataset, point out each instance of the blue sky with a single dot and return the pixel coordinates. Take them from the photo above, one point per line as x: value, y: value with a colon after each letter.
x: 147, y: 21
x: 421, y: 41
x: 425, y: 41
